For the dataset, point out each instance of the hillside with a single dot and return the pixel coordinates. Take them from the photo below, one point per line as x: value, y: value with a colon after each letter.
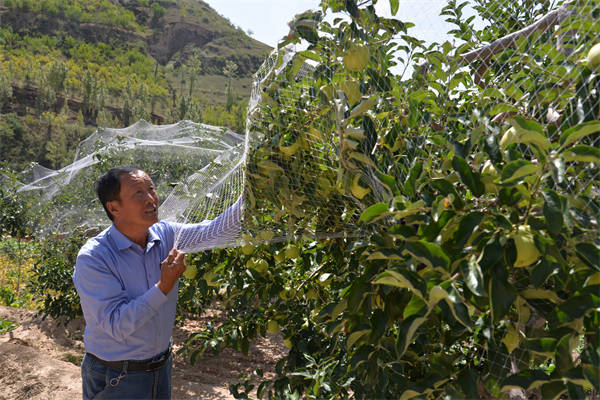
x: 68, y: 66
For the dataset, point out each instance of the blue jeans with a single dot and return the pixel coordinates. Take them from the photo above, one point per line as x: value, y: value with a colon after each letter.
x: 102, y: 382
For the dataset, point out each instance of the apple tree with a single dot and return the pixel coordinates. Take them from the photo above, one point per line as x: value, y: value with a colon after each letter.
x: 464, y: 198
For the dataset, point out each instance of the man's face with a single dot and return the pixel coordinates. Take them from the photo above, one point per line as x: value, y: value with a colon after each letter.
x: 138, y: 202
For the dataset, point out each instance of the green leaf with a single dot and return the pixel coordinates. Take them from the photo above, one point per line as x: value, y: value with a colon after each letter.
x: 575, y: 133
x: 554, y: 207
x: 459, y: 310
x: 410, y: 185
x: 576, y: 391
x: 467, y: 226
x: 502, y: 296
x: 467, y: 380
x: 447, y: 188
x: 408, y: 328
x: 423, y: 388
x: 572, y: 308
x: 429, y: 253
x: 310, y: 55
x: 527, y: 380
x: 195, y: 355
x: 493, y: 253
x: 576, y: 376
x: 361, y: 108
x: 514, y: 172
x: 472, y: 275
x: 388, y: 181
x: 385, y: 254
x: 589, y: 254
x: 563, y: 357
x: 526, y: 124
x: 416, y: 305
x: 379, y: 322
x: 412, y: 208
x: 402, y: 279
x: 537, y: 294
x: 502, y: 107
x: 468, y: 177
x: 591, y: 353
x: 545, y: 346
x: 582, y: 153
x: 373, y: 212
x: 553, y: 390
x: 542, y: 271
x: 530, y: 132
x: 394, y: 5
x: 592, y: 373
x: 436, y: 294
x: 355, y: 336
x: 509, y: 196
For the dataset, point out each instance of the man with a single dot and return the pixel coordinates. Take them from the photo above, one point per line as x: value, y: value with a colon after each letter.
x: 126, y: 278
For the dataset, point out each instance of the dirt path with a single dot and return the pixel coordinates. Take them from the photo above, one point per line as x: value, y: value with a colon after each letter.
x: 40, y: 360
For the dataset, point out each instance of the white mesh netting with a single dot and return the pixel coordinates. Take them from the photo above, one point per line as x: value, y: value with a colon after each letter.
x: 173, y: 155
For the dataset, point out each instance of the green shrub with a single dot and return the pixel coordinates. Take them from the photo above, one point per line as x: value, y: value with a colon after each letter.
x: 51, y: 282
x: 7, y: 326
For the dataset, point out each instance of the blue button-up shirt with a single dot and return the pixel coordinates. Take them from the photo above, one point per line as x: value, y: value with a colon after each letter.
x: 127, y: 316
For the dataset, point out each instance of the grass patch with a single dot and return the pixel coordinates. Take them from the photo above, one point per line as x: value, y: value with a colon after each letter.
x: 17, y: 258
x: 73, y: 358
x: 7, y: 326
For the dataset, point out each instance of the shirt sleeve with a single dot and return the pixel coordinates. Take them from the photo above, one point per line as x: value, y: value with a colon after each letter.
x: 105, y: 303
x: 219, y: 232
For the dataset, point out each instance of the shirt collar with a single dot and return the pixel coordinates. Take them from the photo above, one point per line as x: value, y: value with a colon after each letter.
x: 123, y: 242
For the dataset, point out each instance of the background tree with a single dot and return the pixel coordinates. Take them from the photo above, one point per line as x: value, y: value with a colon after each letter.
x: 5, y: 89
x: 194, y: 67
x: 229, y: 71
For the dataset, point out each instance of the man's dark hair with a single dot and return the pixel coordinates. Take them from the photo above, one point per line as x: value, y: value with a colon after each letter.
x: 108, y: 186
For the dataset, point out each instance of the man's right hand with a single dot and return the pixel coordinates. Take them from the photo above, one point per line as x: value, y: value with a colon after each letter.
x: 171, y: 269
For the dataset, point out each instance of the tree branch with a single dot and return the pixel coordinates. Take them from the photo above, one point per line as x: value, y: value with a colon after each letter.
x: 552, y: 18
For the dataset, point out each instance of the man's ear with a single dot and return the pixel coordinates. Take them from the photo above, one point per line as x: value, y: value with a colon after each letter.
x: 114, y: 207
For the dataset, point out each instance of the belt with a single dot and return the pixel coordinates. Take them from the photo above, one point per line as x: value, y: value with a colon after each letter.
x: 133, y: 365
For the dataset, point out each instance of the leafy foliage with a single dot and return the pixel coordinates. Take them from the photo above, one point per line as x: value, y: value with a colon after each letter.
x: 6, y: 325
x: 483, y: 274
x: 52, y: 283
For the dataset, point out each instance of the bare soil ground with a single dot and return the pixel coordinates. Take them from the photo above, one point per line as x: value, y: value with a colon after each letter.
x: 40, y: 360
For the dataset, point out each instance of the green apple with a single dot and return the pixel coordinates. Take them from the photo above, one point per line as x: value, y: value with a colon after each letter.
x: 286, y: 293
x: 191, y: 271
x: 261, y: 266
x: 593, y: 57
x: 292, y: 251
x: 272, y: 326
x: 488, y: 175
x: 279, y: 256
x: 247, y: 249
x: 356, y: 57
